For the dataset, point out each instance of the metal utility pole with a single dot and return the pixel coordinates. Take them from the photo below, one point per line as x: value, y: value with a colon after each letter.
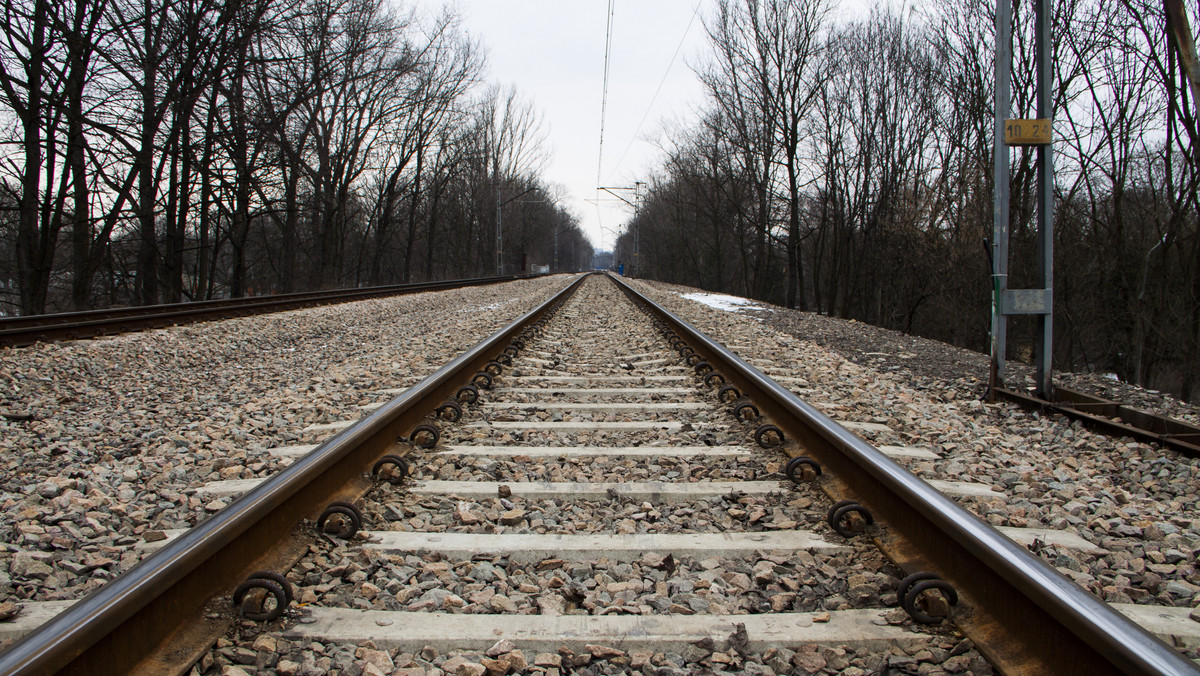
x: 637, y: 224
x: 1035, y: 132
x: 499, y: 235
x: 1044, y: 340
x: 637, y: 207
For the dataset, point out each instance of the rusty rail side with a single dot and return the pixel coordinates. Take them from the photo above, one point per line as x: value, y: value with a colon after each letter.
x: 22, y: 331
x: 133, y: 617
x: 1022, y: 613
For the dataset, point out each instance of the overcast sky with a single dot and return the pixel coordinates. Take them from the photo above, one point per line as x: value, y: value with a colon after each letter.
x: 553, y: 52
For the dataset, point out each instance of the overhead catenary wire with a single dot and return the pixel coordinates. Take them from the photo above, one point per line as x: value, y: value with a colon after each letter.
x: 675, y: 57
x: 604, y: 88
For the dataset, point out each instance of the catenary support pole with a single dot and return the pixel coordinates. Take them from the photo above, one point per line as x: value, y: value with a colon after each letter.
x: 1044, y: 348
x: 1003, y: 98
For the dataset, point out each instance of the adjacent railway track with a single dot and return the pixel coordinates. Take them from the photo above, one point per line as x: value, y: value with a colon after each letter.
x: 22, y: 331
x: 1112, y: 418
x: 596, y: 448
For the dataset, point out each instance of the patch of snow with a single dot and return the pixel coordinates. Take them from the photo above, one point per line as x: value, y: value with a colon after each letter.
x: 727, y: 303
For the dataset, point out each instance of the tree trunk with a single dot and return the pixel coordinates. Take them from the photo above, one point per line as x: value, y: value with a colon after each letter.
x: 82, y: 265
x: 32, y: 290
x: 172, y: 247
x: 240, y: 227
x: 290, y: 223
x: 147, y: 257
x: 203, y: 263
x: 434, y: 200
x: 412, y: 213
x: 382, y: 228
x: 179, y: 235
x: 795, y: 283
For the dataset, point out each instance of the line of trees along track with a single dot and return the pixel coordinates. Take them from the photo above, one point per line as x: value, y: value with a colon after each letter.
x: 165, y: 151
x: 846, y: 167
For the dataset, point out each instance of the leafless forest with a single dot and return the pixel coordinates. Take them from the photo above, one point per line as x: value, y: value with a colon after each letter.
x: 163, y: 151
x: 846, y: 168
x: 170, y: 150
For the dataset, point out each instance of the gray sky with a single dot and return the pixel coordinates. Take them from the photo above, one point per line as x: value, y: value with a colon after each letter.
x: 553, y: 51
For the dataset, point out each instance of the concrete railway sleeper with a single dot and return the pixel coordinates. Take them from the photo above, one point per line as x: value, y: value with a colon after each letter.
x: 598, y: 488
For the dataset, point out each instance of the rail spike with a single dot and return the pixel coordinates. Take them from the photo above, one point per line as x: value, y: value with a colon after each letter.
x: 848, y: 518
x: 923, y: 607
x: 424, y: 436
x: 395, y: 476
x: 252, y: 596
x: 345, y: 514
x: 801, y: 469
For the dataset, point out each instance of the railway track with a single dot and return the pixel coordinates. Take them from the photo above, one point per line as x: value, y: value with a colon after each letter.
x: 1110, y: 417
x: 604, y: 491
x: 22, y: 331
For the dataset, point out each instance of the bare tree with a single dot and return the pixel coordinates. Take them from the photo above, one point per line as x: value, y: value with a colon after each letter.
x: 774, y: 47
x: 197, y: 149
x: 29, y: 41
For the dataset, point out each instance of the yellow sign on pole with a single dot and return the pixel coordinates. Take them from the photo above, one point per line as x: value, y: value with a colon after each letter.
x: 1035, y: 132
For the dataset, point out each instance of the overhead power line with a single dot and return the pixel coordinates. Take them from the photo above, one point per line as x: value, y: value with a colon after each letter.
x: 604, y: 93
x: 653, y: 99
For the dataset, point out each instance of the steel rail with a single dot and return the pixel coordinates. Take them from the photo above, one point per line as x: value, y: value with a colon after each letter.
x: 27, y: 330
x: 140, y: 621
x: 1022, y: 613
